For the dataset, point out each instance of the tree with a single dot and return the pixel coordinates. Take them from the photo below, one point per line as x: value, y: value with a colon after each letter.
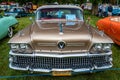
x: 113, y: 1
x: 95, y: 6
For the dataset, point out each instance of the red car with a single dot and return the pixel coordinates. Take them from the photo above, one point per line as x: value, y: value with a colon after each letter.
x: 111, y: 26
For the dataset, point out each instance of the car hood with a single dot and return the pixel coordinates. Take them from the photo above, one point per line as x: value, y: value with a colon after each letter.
x: 46, y: 36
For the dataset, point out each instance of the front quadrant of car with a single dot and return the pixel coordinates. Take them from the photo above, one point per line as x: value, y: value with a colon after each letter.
x: 5, y: 23
x: 60, y: 43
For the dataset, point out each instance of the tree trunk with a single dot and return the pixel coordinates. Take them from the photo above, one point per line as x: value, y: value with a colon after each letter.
x: 113, y: 1
x: 94, y: 10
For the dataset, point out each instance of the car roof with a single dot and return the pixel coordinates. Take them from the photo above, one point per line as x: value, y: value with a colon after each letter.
x: 59, y: 6
x: 17, y: 7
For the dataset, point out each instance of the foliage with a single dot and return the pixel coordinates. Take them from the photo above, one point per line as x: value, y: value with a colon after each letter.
x: 63, y: 1
x: 42, y: 2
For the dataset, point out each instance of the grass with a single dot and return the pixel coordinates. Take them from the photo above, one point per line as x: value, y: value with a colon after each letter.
x: 6, y: 71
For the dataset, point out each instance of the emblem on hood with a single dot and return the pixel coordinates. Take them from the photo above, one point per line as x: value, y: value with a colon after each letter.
x: 61, y: 44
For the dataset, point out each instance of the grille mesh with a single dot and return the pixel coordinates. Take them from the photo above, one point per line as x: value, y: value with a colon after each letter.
x: 60, y: 63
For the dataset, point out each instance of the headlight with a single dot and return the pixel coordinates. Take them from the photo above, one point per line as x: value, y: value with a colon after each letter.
x: 107, y: 47
x: 21, y: 48
x: 14, y: 46
x: 100, y: 48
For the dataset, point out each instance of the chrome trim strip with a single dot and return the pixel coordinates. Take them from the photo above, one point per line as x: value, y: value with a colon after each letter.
x: 41, y: 70
x: 67, y: 44
x: 59, y: 55
x: 46, y: 44
x: 81, y: 70
x: 55, y: 51
x: 61, y: 69
x: 16, y: 68
x: 75, y: 44
x: 105, y: 67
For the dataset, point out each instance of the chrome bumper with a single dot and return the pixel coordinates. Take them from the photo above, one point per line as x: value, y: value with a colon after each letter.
x: 75, y: 62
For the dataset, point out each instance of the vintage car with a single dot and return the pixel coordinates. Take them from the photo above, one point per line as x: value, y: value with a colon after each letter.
x: 59, y: 42
x: 116, y: 11
x: 16, y: 12
x: 111, y: 26
x: 4, y: 7
x: 6, y: 26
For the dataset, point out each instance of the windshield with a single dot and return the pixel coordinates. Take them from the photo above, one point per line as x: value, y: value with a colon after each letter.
x: 59, y: 13
x: 16, y: 10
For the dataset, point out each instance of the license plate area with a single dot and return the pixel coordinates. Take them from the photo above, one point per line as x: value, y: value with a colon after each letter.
x: 61, y: 73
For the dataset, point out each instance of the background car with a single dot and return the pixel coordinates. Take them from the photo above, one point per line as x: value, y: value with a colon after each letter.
x: 116, y: 11
x: 111, y: 26
x: 16, y: 12
x: 4, y: 7
x: 6, y: 26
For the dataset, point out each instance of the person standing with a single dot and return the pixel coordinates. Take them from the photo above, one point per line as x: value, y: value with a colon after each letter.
x: 110, y: 9
x: 104, y: 10
x: 100, y: 10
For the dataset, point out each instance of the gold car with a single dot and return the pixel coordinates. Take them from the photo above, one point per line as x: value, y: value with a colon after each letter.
x: 61, y: 43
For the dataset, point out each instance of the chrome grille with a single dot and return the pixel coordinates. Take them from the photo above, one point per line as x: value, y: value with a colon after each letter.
x: 60, y: 63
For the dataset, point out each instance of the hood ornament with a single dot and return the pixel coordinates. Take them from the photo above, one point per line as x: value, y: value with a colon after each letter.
x: 61, y: 27
x: 61, y: 44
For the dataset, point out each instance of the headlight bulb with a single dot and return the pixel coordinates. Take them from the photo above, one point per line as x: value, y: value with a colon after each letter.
x: 107, y: 47
x: 14, y: 46
x: 98, y: 46
x: 23, y: 46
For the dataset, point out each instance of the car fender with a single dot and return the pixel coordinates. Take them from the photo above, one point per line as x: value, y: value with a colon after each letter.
x: 5, y: 23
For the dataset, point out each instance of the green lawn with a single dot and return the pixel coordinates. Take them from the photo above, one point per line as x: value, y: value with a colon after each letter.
x: 6, y: 71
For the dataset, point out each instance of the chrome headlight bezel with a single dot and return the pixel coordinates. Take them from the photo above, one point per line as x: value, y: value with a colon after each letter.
x: 97, y: 46
x: 100, y: 48
x: 107, y: 47
x: 23, y: 46
x: 20, y: 48
x: 14, y: 46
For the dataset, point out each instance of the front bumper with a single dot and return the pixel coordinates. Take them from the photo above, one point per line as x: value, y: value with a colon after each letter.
x: 75, y: 62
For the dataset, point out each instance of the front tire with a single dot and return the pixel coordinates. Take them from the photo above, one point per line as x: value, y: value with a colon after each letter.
x: 10, y: 32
